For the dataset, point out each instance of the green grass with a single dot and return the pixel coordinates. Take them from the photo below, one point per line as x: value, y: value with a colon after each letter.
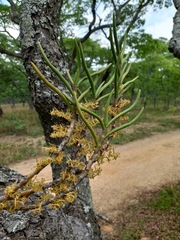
x: 19, y: 129
x: 150, y: 122
x: 20, y: 121
x: 167, y: 199
x: 19, y: 149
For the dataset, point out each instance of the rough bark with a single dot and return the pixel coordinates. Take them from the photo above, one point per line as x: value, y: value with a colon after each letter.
x: 39, y: 23
x: 50, y: 224
x: 174, y: 45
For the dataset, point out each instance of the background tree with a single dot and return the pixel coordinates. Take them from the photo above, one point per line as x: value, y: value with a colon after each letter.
x: 157, y: 70
x: 41, y: 21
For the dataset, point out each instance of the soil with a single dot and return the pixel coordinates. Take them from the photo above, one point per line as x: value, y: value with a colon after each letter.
x: 143, y: 165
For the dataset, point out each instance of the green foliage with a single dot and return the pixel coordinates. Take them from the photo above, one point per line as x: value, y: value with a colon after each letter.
x: 13, y: 82
x: 75, y: 19
x: 12, y: 124
x: 114, y: 102
x: 20, y: 121
x: 78, y: 15
x: 5, y: 12
x: 11, y: 152
x: 158, y: 72
x: 81, y: 120
x: 167, y: 199
x: 96, y: 56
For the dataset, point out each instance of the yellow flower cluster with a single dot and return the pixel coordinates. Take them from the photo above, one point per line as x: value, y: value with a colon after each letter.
x: 95, y: 171
x: 51, y: 149
x: 90, y: 105
x: 9, y: 190
x: 62, y: 114
x: 59, y: 130
x: 69, y: 177
x: 71, y: 196
x: 59, y: 202
x: 107, y: 155
x: 60, y: 193
x: 35, y: 185
x: 114, y: 110
x: 76, y: 164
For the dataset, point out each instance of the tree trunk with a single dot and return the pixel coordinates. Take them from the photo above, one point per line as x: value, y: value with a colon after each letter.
x: 39, y: 23
x: 69, y: 223
x: 174, y: 45
x: 1, y: 112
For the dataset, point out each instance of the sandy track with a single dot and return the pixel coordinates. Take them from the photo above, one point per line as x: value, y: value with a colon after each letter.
x: 143, y: 165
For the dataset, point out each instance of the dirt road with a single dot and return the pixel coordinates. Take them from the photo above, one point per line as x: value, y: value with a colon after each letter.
x: 143, y: 165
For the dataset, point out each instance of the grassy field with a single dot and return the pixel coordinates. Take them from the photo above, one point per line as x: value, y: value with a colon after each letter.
x: 155, y: 216
x: 21, y: 134
x: 151, y: 121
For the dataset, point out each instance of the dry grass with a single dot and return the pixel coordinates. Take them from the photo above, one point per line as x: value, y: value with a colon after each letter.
x: 151, y: 122
x: 20, y: 120
x: 20, y: 134
x: 17, y: 148
x: 155, y: 216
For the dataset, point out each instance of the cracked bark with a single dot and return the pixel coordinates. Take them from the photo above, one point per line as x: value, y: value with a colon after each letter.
x: 50, y: 224
x: 174, y: 44
x: 39, y: 23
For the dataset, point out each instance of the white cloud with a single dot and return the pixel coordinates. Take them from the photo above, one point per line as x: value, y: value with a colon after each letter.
x: 160, y: 23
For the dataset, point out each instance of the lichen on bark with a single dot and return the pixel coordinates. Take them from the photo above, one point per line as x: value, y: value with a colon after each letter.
x: 174, y: 44
x: 39, y: 24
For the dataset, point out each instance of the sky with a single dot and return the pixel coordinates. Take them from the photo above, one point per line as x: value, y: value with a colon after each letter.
x: 158, y: 24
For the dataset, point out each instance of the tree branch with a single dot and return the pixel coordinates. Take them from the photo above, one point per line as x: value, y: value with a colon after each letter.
x: 14, y: 13
x: 11, y: 36
x: 123, y: 5
x: 9, y: 53
x: 134, y: 19
x: 83, y: 39
x: 93, y: 13
x: 114, y: 5
x: 93, y: 6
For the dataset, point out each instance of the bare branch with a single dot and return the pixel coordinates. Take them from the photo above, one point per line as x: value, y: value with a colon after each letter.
x: 105, y: 34
x: 14, y: 13
x: 134, y: 18
x: 123, y: 5
x: 94, y: 14
x: 9, y: 53
x: 117, y: 10
x: 11, y: 36
x: 114, y: 5
x: 93, y: 6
